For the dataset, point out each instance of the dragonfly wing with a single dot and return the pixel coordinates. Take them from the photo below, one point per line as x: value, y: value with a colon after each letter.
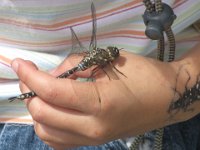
x: 93, y: 42
x: 77, y: 46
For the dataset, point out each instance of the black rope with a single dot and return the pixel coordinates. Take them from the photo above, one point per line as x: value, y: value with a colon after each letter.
x: 149, y: 5
x: 161, y: 49
x: 172, y: 44
x: 158, y: 8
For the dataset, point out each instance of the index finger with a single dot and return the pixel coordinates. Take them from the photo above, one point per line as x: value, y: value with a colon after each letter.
x: 82, y: 96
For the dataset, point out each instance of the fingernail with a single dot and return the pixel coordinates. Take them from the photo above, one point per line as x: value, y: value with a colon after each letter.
x: 15, y: 65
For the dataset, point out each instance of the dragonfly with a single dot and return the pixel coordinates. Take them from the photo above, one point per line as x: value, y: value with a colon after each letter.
x: 95, y: 56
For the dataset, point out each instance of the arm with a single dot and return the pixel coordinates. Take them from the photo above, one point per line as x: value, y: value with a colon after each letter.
x: 71, y: 113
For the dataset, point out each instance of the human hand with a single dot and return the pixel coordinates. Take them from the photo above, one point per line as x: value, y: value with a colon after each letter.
x: 70, y: 113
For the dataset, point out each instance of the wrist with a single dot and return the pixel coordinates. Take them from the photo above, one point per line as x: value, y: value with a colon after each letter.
x: 185, y: 103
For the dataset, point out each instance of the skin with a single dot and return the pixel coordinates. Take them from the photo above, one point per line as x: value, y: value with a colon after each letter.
x: 69, y: 113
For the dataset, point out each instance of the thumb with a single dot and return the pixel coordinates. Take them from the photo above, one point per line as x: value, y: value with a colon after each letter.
x: 25, y: 66
x: 30, y: 76
x: 15, y: 64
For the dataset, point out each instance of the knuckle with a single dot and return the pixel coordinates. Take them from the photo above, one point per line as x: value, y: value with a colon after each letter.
x: 24, y: 76
x: 57, y: 146
x: 41, y: 133
x: 37, y: 113
x: 23, y: 87
x: 50, y: 93
x: 98, y: 136
x: 75, y: 94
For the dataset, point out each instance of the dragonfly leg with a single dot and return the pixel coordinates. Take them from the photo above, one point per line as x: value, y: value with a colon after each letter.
x: 117, y: 70
x: 95, y: 70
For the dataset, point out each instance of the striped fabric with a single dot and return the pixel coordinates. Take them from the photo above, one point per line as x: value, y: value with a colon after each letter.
x: 39, y: 31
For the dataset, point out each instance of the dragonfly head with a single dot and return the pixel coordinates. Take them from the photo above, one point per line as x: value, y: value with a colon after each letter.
x: 113, y: 52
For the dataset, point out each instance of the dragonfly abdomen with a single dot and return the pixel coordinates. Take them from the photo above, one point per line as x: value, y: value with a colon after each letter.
x: 23, y: 96
x: 69, y: 72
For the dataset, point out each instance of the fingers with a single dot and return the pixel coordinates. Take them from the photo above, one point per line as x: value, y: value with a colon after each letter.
x: 66, y: 120
x: 58, y: 137
x: 61, y: 92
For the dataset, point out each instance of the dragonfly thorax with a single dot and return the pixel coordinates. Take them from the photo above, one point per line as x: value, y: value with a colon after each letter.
x: 100, y: 57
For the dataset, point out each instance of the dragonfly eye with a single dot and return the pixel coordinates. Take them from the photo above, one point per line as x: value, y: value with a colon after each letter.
x: 113, y: 51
